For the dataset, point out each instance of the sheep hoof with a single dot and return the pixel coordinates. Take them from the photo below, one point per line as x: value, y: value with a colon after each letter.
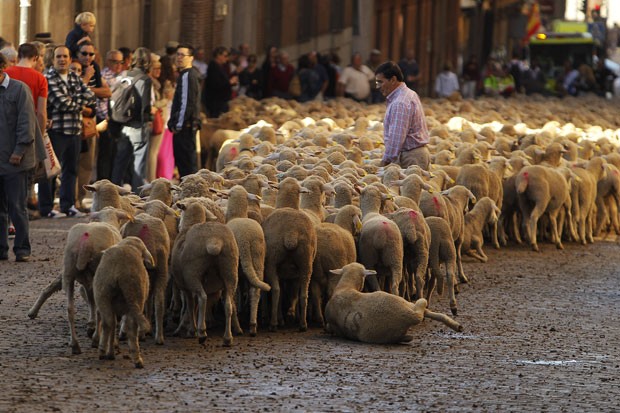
x: 90, y: 331
x: 122, y: 336
x: 32, y: 314
x: 139, y: 364
x: 228, y: 341
x: 75, y: 349
x: 159, y: 342
x: 459, y: 328
x: 454, y: 311
x: 252, y: 330
x: 303, y: 328
x: 273, y: 328
x: 560, y: 246
x: 535, y: 248
x: 201, y: 340
x: 406, y: 338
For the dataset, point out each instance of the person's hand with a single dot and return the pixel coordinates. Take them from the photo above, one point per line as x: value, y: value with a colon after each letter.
x: 102, y: 126
x: 88, y: 73
x: 84, y: 39
x: 48, y: 125
x: 15, y: 159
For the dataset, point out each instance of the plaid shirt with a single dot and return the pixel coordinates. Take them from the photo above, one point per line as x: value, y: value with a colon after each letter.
x: 103, y: 104
x: 404, y: 126
x: 65, y: 102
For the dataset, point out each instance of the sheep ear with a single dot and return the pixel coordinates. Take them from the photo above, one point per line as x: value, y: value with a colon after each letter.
x: 304, y: 190
x: 145, y: 187
x: 254, y: 197
x: 149, y: 261
x: 122, y: 190
x: 175, y: 188
x: 124, y: 215
x: 91, y: 188
x: 181, y: 205
x: 369, y: 272
x: 94, y: 216
x: 336, y: 272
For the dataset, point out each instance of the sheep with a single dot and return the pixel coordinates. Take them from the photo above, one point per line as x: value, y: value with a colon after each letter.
x: 291, y: 244
x: 541, y: 190
x: 251, y: 244
x: 206, y: 263
x: 120, y: 288
x: 485, y: 211
x: 105, y: 193
x: 154, y: 235
x: 441, y: 251
x: 376, y: 317
x: 169, y: 216
x: 467, y: 156
x: 160, y: 189
x: 193, y: 185
x: 510, y: 203
x: 584, y: 203
x: 313, y: 199
x: 416, y: 241
x: 608, y: 199
x: 380, y: 244
x: 335, y: 249
x: 85, y: 245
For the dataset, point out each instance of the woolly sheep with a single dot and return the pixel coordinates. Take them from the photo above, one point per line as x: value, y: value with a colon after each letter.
x: 105, y: 193
x: 335, y: 249
x: 485, y: 211
x: 251, y: 244
x: 441, y: 251
x: 376, y: 317
x: 154, y: 235
x: 120, y: 288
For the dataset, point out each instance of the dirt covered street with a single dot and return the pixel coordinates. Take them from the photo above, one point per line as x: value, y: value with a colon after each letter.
x: 541, y: 334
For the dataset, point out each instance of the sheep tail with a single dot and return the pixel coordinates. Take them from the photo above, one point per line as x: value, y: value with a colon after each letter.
x: 83, y: 255
x: 215, y: 246
x: 291, y: 240
x: 444, y: 319
x: 522, y: 185
x: 250, y: 274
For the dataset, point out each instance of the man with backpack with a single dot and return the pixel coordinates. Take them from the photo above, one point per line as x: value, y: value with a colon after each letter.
x: 185, y: 112
x: 130, y: 121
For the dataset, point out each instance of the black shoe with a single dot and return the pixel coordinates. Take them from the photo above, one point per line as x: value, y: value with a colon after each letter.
x: 22, y: 258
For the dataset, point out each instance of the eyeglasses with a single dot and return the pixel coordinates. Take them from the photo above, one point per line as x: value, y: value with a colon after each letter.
x: 87, y: 54
x: 183, y: 55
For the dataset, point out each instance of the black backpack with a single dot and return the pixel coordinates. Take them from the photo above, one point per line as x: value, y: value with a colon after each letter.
x: 125, y: 102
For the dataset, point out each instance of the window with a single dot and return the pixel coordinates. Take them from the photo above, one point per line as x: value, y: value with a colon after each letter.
x: 336, y: 15
x: 305, y: 20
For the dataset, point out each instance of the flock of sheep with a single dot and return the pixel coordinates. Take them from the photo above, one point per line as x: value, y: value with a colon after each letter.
x: 295, y: 211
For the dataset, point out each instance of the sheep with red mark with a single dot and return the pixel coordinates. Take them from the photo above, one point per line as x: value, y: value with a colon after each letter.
x: 380, y: 245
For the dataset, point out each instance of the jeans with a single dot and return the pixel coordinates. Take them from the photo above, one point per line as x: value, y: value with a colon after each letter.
x: 67, y: 148
x: 13, y: 196
x: 130, y: 160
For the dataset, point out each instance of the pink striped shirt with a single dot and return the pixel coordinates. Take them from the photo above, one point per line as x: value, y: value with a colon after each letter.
x: 404, y: 126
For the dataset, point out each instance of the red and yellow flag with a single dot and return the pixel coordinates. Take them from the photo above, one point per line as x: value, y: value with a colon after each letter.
x: 533, y: 22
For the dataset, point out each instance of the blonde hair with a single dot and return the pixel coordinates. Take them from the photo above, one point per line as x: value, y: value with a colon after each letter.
x: 85, y: 17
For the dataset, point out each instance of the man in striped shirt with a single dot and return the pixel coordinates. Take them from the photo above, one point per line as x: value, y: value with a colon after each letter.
x: 67, y: 94
x: 405, y: 134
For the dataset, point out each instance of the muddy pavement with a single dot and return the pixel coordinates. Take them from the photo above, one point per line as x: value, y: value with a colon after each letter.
x: 541, y: 334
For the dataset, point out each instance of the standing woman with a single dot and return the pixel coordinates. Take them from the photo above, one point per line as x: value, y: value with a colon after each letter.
x: 165, y: 157
x: 218, y: 84
x: 133, y: 136
x: 162, y: 94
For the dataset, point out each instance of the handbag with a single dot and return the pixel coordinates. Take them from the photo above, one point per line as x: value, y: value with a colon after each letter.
x: 89, y: 124
x: 52, y: 165
x: 158, y: 123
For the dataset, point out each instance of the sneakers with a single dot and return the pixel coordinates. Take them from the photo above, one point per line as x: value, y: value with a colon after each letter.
x: 11, y: 232
x: 56, y: 214
x: 73, y: 212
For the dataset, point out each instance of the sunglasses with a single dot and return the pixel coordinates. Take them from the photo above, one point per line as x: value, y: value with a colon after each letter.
x: 87, y: 54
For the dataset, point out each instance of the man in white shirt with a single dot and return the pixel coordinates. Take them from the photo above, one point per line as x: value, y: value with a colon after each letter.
x: 354, y: 80
x: 446, y: 83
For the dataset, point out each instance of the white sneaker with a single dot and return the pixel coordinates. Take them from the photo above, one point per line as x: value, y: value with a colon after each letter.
x: 73, y: 212
x: 56, y: 214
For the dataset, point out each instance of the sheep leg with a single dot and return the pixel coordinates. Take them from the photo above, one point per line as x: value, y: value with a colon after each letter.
x: 103, y: 337
x: 494, y: 238
x: 159, y: 302
x: 254, y: 300
x: 459, y: 262
x: 70, y: 289
x: 444, y: 319
x: 236, y: 327
x: 450, y: 281
x: 317, y: 301
x: 202, y: 316
x: 53, y: 287
x: 478, y: 253
x: 228, y: 312
x: 516, y: 229
x: 532, y: 227
x: 132, y: 340
x: 89, y: 297
x: 275, y: 302
x: 430, y: 288
x: 555, y: 234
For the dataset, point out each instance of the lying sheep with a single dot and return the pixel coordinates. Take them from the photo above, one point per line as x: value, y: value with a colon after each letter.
x: 376, y: 317
x: 484, y: 212
x: 120, y: 288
